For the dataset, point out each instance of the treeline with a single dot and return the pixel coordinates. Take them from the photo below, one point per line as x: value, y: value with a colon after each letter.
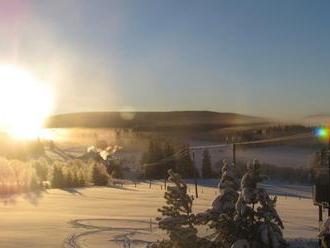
x: 290, y: 174
x: 266, y: 132
x: 162, y: 156
x: 301, y: 174
x: 78, y: 174
x: 304, y: 175
x: 156, y: 164
x: 17, y: 176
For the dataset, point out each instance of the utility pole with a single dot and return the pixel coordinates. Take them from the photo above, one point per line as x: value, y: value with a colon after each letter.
x: 234, y: 154
x: 320, y: 222
x: 165, y: 180
x: 328, y: 156
x: 324, y: 133
x: 195, y: 176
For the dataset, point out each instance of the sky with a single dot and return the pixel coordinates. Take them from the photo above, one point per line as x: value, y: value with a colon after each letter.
x: 258, y: 57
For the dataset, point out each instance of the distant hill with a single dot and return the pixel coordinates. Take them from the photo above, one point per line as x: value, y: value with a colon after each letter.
x: 320, y: 119
x: 158, y: 121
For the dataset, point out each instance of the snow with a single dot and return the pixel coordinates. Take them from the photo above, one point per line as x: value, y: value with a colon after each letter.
x: 300, y: 191
x: 100, y: 216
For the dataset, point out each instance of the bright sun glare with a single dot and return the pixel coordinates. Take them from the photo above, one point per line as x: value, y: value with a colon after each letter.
x: 25, y: 102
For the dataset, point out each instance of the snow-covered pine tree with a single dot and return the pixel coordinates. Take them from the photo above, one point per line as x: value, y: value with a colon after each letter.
x: 58, y: 177
x: 256, y: 216
x: 225, y: 202
x: 100, y: 176
x: 220, y: 216
x: 245, y: 220
x: 178, y: 219
x: 228, y: 186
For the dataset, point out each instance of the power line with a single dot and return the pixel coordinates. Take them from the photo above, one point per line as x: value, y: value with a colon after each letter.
x: 185, y: 152
x: 291, y: 137
x: 180, y: 154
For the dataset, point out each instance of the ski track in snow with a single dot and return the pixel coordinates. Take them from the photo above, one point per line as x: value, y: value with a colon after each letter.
x: 125, y: 238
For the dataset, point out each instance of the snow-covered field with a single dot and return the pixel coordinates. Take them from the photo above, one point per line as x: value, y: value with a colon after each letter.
x: 109, y: 217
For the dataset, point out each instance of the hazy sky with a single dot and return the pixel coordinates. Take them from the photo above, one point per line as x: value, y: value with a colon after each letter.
x: 269, y: 58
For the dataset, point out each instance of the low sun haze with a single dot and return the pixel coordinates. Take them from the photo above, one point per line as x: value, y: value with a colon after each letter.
x: 252, y: 57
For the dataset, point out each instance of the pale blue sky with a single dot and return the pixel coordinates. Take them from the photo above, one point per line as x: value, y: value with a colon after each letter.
x: 268, y: 58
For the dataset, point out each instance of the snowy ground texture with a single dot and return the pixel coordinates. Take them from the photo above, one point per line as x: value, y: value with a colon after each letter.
x: 115, y: 217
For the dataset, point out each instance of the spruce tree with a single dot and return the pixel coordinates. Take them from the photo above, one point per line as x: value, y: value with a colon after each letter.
x: 256, y: 216
x: 34, y: 183
x: 58, y: 180
x: 178, y: 219
x: 170, y: 164
x: 82, y: 181
x: 76, y: 182
x: 116, y: 170
x: 206, y: 165
x: 228, y: 185
x: 184, y: 164
x: 248, y: 220
x: 153, y: 169
x: 100, y: 176
x: 70, y: 180
x: 41, y: 166
x: 220, y: 216
x: 148, y: 157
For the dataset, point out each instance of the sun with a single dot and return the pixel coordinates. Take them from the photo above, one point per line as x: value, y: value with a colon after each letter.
x: 25, y: 102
